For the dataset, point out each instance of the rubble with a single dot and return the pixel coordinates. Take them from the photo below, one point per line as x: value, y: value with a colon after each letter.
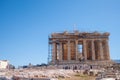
x: 36, y: 73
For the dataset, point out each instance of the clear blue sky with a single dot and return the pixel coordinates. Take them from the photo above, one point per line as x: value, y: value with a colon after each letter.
x: 26, y: 24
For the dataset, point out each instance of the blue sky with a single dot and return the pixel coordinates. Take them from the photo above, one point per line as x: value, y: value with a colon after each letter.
x: 26, y: 24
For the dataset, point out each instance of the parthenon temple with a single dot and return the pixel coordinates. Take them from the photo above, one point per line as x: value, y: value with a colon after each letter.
x: 68, y: 47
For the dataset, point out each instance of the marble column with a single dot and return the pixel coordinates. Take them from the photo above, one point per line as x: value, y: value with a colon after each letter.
x: 54, y: 56
x: 107, y: 49
x: 76, y: 43
x: 93, y: 49
x: 101, y: 50
x: 69, y: 53
x: 60, y: 53
x: 84, y: 49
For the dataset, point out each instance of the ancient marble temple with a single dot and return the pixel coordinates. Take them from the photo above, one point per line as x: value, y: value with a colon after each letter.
x: 76, y: 47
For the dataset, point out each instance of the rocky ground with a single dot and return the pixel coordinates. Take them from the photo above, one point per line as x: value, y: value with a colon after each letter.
x: 52, y: 74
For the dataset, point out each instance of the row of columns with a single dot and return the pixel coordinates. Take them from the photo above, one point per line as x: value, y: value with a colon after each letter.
x: 84, y: 49
x: 103, y: 50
